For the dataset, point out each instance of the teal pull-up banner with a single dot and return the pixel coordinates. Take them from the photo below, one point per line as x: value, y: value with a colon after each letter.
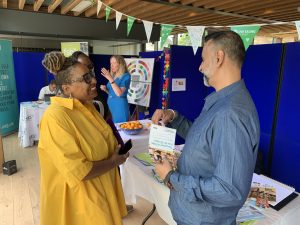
x: 9, y: 111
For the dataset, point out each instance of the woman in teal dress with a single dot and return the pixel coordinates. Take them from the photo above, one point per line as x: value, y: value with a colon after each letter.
x: 117, y: 88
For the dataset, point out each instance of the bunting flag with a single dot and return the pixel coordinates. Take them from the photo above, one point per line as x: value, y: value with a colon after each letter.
x: 148, y: 28
x: 247, y: 33
x: 107, y: 12
x: 195, y: 33
x: 130, y: 21
x: 298, y: 28
x: 118, y: 18
x: 99, y: 5
x: 165, y: 31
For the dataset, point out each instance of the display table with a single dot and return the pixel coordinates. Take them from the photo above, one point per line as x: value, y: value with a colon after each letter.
x: 30, y: 116
x: 137, y: 180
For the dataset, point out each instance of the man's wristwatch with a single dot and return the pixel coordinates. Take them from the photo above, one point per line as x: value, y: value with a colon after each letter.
x: 167, y: 179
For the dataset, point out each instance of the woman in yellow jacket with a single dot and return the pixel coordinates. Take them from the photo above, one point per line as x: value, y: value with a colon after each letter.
x: 80, y: 183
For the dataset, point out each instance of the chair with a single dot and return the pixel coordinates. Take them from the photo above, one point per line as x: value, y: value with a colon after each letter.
x: 99, y: 106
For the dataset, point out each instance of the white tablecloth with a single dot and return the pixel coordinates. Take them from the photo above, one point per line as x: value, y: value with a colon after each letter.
x: 30, y: 116
x: 137, y: 180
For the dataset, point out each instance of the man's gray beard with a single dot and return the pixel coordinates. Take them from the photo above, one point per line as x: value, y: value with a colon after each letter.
x: 205, y: 81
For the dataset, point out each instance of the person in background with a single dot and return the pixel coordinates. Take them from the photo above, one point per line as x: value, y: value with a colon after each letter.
x: 99, y: 101
x: 215, y: 169
x: 49, y: 89
x: 78, y: 153
x: 117, y: 88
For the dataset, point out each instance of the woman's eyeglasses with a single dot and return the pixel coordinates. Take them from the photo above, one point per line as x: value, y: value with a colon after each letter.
x: 87, y: 78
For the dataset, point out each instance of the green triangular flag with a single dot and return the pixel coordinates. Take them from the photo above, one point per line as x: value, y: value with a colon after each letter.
x: 165, y: 32
x: 247, y: 33
x: 130, y: 21
x: 107, y: 12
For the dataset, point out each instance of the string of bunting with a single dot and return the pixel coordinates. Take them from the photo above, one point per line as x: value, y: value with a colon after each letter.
x: 247, y: 32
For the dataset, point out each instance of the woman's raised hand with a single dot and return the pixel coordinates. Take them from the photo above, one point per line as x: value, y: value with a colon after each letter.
x: 106, y: 74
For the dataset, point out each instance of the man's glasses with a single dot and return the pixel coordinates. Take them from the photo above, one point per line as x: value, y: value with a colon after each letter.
x: 87, y: 78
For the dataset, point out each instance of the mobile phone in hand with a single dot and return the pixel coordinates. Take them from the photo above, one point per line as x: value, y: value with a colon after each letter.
x: 127, y: 146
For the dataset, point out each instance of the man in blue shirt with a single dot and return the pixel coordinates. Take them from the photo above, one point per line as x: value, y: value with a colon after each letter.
x: 214, y: 171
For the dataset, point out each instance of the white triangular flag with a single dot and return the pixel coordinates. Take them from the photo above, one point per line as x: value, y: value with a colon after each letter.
x: 195, y: 33
x: 118, y: 18
x: 148, y: 28
x: 99, y: 6
x: 298, y: 28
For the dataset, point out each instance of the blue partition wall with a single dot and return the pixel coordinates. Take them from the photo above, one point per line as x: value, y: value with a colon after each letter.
x: 184, y: 64
x: 261, y: 73
x: 30, y: 75
x: 286, y: 157
x: 157, y: 81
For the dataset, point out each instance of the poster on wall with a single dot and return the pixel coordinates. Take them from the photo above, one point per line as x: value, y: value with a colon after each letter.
x: 9, y: 111
x: 141, y: 71
x: 179, y: 84
x: 69, y: 47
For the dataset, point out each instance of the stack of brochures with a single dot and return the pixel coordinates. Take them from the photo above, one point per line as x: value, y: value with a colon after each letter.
x: 144, y: 158
x: 249, y: 212
x: 278, y: 193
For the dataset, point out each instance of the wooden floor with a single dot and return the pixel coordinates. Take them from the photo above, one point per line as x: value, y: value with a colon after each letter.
x: 19, y: 193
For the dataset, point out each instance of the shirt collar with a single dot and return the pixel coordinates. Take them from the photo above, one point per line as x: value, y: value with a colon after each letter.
x: 224, y: 92
x: 69, y: 103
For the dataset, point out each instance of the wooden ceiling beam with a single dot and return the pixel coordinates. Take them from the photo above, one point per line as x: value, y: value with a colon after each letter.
x: 4, y: 4
x: 21, y: 4
x: 37, y: 5
x: 54, y: 5
x: 151, y: 10
x: 164, y: 14
x: 198, y: 9
x: 211, y: 21
x: 187, y: 2
x: 92, y: 11
x: 289, y: 18
x: 202, y: 3
x: 67, y: 8
x: 275, y: 8
x: 253, y: 7
x: 285, y: 15
x: 129, y: 10
x: 219, y: 4
x: 243, y: 5
x: 173, y: 19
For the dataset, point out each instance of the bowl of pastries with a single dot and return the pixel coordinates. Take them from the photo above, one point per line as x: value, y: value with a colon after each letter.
x: 131, y: 127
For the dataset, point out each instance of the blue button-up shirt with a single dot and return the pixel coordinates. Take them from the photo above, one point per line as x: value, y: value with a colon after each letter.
x: 216, y: 166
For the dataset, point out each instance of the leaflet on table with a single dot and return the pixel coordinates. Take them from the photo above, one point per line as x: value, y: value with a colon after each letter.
x: 144, y: 158
x: 275, y: 190
x: 162, y: 144
x: 249, y: 212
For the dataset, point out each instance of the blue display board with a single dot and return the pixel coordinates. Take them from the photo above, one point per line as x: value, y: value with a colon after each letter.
x: 31, y: 76
x: 184, y: 64
x: 286, y: 157
x: 261, y: 73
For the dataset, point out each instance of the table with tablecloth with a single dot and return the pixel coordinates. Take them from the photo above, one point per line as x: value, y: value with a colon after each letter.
x: 138, y: 180
x: 30, y: 116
